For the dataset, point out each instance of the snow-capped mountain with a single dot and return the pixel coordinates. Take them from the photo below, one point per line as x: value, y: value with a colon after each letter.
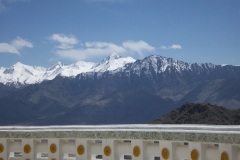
x: 158, y: 64
x: 67, y: 70
x: 155, y: 64
x: 21, y: 74
x: 121, y: 89
x: 112, y: 62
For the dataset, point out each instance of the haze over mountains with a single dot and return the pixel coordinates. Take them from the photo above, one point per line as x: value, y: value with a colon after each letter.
x: 114, y: 91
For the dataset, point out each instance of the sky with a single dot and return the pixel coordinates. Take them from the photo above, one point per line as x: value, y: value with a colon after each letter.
x: 43, y: 32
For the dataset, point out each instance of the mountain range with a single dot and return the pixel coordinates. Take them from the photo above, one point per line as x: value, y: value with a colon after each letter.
x: 115, y: 91
x: 20, y: 74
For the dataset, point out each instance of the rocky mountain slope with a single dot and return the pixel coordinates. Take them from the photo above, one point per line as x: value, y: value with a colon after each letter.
x: 197, y: 113
x: 114, y: 93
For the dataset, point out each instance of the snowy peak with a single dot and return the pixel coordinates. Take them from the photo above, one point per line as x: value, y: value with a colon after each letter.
x: 56, y: 66
x: 160, y: 64
x: 112, y: 62
x: 112, y: 56
x: 73, y: 70
x: 21, y: 74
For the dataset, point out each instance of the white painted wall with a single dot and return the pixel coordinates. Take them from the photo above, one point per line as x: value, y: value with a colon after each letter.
x: 212, y: 153
x: 182, y: 152
x: 119, y: 148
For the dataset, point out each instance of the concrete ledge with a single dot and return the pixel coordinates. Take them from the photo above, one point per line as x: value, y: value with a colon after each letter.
x: 191, y: 133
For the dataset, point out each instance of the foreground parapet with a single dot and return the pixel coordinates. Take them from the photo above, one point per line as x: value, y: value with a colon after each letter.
x: 119, y: 142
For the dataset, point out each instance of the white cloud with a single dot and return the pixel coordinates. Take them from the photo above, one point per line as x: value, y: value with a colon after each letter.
x: 8, y: 48
x: 173, y: 46
x: 20, y: 43
x: 15, y: 46
x: 75, y: 54
x: 81, y: 54
x: 93, y: 49
x: 66, y: 42
x: 104, y: 46
x: 163, y: 47
x: 138, y: 46
x: 90, y: 50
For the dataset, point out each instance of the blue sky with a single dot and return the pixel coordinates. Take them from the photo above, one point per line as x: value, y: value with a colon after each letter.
x: 42, y: 32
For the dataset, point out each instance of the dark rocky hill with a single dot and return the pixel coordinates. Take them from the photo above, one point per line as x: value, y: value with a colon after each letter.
x: 197, y: 113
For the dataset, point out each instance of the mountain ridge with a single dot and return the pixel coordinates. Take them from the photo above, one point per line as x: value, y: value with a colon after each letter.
x: 20, y: 74
x: 135, y: 93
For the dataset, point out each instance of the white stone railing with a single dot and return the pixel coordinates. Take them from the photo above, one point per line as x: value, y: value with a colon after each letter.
x: 119, y: 142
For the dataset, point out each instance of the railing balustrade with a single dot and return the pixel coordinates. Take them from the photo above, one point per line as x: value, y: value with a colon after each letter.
x: 120, y: 142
